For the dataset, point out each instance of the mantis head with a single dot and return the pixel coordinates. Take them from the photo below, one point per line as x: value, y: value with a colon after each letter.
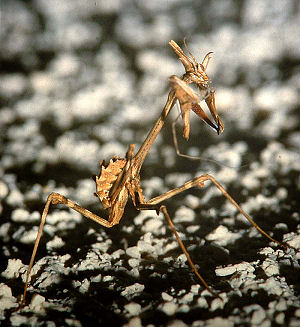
x: 195, y: 73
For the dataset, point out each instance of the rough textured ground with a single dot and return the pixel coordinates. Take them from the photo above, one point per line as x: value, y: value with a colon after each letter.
x: 80, y: 80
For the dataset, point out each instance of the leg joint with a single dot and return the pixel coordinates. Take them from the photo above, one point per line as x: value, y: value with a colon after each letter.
x: 162, y: 208
x: 57, y: 198
x: 203, y: 178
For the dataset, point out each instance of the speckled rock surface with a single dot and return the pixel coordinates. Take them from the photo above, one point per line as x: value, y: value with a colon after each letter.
x: 80, y: 80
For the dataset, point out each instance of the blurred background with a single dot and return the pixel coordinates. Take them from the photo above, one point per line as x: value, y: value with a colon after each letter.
x: 80, y: 80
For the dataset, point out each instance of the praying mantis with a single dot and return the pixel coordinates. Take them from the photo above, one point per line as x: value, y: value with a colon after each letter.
x: 119, y: 180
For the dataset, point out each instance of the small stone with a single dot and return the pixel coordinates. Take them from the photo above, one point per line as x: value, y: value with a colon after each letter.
x: 177, y: 323
x: 56, y: 243
x: 3, y: 190
x: 166, y: 297
x: 184, y: 214
x: 169, y: 308
x: 134, y: 322
x: 7, y: 301
x: 134, y: 289
x: 281, y: 305
x: 133, y: 262
x: 222, y: 236
x: 84, y: 287
x: 73, y: 322
x: 216, y: 304
x: 280, y: 318
x: 202, y: 302
x: 258, y: 316
x: 37, y: 303
x: 15, y: 198
x: 192, y: 201
x: 195, y: 289
x: 133, y: 309
x: 187, y: 298
x: 13, y: 268
x: 225, y: 271
x: 270, y: 268
x: 133, y: 252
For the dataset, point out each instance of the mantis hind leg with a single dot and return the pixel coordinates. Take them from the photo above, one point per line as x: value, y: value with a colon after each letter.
x: 56, y: 198
x: 163, y: 209
x: 199, y: 182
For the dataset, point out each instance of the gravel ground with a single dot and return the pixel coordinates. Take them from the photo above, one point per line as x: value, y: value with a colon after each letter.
x: 80, y: 80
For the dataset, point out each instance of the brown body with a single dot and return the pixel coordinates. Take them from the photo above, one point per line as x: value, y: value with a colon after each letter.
x: 120, y: 179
